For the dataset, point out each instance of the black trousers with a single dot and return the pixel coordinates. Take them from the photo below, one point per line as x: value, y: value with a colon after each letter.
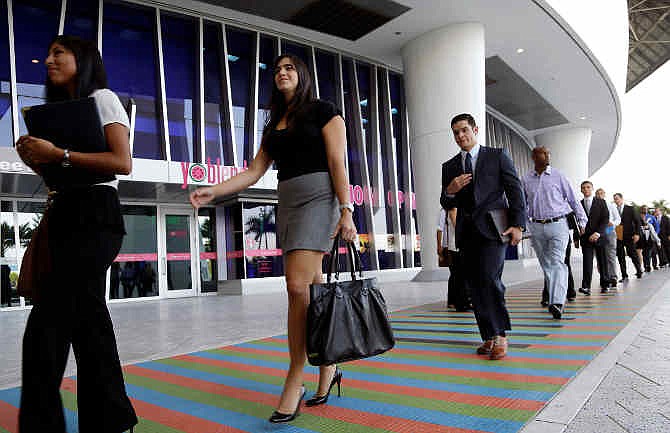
x: 458, y: 294
x: 73, y: 312
x: 627, y: 248
x: 483, y: 261
x: 665, y: 247
x: 589, y: 249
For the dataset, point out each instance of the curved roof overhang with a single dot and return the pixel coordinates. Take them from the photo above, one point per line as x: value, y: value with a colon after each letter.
x: 556, y: 63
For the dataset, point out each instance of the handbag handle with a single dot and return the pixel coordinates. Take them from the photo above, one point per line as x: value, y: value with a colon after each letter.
x: 353, y: 257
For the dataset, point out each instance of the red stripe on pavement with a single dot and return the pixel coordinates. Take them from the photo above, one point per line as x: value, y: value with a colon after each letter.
x: 399, y: 425
x: 9, y: 417
x: 167, y: 417
x: 472, y: 399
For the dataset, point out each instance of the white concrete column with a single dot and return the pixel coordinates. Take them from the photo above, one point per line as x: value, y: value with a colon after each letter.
x: 569, y: 150
x: 444, y: 76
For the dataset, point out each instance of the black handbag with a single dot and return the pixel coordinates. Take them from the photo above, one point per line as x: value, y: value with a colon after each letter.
x: 346, y: 320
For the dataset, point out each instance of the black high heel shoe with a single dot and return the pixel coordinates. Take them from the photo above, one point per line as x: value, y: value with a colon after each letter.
x: 317, y: 400
x: 278, y: 417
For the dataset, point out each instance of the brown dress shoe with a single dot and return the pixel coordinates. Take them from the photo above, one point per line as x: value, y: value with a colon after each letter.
x: 499, y: 348
x: 486, y: 348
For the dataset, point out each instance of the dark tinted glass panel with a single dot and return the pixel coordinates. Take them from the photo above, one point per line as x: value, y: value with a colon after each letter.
x: 134, y: 271
x: 326, y: 69
x: 81, y: 19
x: 303, y: 52
x: 363, y: 73
x: 29, y: 215
x: 180, y: 59
x: 241, y: 62
x: 209, y: 274
x: 404, y: 199
x: 384, y: 200
x: 35, y: 26
x: 8, y: 264
x: 267, y: 54
x: 262, y: 253
x: 356, y: 163
x: 130, y: 54
x: 6, y: 134
x: 217, y: 132
x: 234, y: 242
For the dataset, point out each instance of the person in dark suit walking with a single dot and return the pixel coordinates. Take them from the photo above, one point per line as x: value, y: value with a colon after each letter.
x: 628, y: 233
x: 664, y: 234
x: 593, y: 238
x: 479, y: 180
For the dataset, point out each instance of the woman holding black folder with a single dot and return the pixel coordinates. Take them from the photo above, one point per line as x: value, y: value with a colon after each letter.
x: 85, y: 234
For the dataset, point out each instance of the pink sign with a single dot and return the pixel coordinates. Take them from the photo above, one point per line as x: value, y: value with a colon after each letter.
x: 207, y: 256
x: 148, y: 257
x: 178, y: 256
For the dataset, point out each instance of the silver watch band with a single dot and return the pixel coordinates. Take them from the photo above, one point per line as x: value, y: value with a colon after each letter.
x: 347, y: 206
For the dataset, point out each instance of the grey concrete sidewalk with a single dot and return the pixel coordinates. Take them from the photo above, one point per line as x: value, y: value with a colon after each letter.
x: 626, y: 388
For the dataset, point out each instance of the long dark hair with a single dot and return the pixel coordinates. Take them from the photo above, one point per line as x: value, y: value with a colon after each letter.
x: 91, y: 73
x: 303, y: 95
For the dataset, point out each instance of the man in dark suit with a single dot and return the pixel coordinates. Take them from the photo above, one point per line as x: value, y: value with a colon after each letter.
x: 593, y: 238
x: 664, y: 234
x: 479, y: 180
x: 627, y: 236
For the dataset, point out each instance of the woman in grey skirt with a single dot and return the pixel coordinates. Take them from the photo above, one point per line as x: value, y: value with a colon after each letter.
x: 306, y: 137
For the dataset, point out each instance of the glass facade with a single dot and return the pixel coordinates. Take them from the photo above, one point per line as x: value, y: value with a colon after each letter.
x: 201, y: 89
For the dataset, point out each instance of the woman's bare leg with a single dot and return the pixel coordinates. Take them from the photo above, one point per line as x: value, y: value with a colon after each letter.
x: 302, y: 268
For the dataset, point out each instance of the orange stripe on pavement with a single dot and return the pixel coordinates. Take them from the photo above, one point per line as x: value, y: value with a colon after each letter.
x: 9, y: 417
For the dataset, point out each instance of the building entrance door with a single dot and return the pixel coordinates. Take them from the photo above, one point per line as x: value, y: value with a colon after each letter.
x: 179, y: 255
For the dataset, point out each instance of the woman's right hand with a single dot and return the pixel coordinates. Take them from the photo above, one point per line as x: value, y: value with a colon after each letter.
x: 202, y: 196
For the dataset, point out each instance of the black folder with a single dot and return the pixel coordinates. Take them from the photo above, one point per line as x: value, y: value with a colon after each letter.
x: 73, y: 125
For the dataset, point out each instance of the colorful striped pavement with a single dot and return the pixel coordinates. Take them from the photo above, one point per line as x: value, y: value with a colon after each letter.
x: 431, y: 382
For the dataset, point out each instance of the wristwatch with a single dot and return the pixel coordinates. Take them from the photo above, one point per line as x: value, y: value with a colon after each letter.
x: 65, y: 163
x: 347, y: 206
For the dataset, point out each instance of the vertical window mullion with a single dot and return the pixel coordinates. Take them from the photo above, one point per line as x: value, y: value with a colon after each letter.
x: 315, y: 73
x: 61, y: 23
x: 228, y: 95
x: 253, y: 102
x: 161, y: 81
x: 12, y: 72
x: 201, y: 88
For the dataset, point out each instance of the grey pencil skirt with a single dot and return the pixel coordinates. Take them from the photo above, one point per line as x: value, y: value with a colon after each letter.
x: 308, y: 212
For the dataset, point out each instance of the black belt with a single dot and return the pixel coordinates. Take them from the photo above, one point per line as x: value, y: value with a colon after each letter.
x: 547, y: 220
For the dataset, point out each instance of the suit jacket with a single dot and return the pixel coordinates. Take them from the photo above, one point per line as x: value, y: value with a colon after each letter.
x: 665, y: 228
x: 598, y: 219
x: 496, y: 186
x: 630, y: 220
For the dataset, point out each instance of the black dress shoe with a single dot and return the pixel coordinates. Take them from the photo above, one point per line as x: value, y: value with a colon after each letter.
x: 572, y: 298
x: 278, y: 417
x: 544, y: 303
x: 604, y: 290
x: 556, y: 310
x: 623, y: 279
x: 585, y: 291
x: 317, y: 400
x: 639, y: 275
x: 613, y: 282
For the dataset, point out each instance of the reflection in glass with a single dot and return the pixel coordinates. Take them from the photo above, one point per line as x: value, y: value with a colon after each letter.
x: 8, y: 263
x: 241, y: 62
x: 267, y: 54
x: 180, y: 59
x: 29, y: 215
x: 134, y: 271
x: 209, y: 274
x: 356, y: 164
x: 218, y: 148
x: 35, y: 25
x: 129, y: 50
x: 262, y: 253
x: 6, y: 132
x: 81, y: 19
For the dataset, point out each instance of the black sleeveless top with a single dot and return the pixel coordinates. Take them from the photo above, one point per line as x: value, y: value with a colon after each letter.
x: 301, y: 149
